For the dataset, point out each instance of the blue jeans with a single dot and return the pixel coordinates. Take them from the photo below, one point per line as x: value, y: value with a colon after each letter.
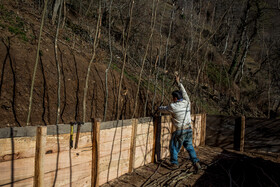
x: 179, y: 138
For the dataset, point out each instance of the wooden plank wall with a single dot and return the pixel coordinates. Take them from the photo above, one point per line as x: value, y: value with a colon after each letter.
x: 71, y: 167
x: 114, y: 152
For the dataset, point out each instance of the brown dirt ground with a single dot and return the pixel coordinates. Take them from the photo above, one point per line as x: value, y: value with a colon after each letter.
x: 16, y: 74
x: 220, y: 167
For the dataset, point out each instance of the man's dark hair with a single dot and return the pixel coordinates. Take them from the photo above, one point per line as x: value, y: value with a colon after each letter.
x: 177, y: 94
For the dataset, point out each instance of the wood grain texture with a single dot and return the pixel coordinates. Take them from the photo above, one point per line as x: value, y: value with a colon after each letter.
x: 119, y: 133
x: 19, y: 147
x: 203, y: 130
x: 67, y: 175
x: 23, y: 169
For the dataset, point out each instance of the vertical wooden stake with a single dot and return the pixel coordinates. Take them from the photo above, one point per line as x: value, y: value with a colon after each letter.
x: 132, y: 145
x: 239, y: 134
x: 40, y: 156
x: 203, y: 130
x: 242, y: 137
x: 157, y: 137
x: 95, y: 153
x: 155, y: 121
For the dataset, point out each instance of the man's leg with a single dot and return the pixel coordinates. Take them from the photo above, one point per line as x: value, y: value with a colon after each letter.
x: 174, y: 147
x: 189, y: 147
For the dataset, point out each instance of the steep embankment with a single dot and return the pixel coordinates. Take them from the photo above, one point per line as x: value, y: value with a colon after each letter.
x: 19, y: 28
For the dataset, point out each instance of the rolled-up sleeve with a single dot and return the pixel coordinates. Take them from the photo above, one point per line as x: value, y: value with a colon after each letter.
x: 165, y: 109
x: 184, y: 93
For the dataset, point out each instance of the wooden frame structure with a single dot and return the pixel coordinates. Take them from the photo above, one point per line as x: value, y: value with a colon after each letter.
x: 41, y: 156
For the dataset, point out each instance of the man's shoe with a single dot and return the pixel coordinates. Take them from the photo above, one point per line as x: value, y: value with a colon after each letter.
x: 197, y: 167
x: 171, y: 166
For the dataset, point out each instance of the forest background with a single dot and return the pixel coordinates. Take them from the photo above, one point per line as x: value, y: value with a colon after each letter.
x: 73, y: 60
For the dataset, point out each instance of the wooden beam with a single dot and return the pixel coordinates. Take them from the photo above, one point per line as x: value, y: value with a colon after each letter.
x: 132, y: 145
x: 40, y: 156
x: 203, y: 130
x: 95, y: 152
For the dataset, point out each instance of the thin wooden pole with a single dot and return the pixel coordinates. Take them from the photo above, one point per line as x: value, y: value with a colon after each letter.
x: 40, y: 156
x: 95, y: 153
x: 132, y: 145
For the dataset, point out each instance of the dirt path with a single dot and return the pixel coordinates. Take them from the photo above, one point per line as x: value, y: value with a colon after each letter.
x: 220, y: 168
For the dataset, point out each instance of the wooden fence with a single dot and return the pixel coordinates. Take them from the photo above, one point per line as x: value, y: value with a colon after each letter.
x: 41, y: 156
x: 240, y: 133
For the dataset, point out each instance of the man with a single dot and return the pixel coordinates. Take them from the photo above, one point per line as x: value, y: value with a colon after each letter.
x: 181, y: 119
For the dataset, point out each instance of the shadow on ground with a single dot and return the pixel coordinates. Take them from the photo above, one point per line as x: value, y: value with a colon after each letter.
x: 232, y: 169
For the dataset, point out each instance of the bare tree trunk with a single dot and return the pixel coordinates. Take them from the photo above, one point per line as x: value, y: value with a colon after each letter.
x: 166, y: 53
x: 242, y: 61
x: 269, y: 87
x: 57, y: 4
x: 57, y: 65
x: 36, y: 63
x: 158, y: 58
x: 125, y: 47
x: 109, y: 65
x: 226, y: 43
x: 144, y: 59
x: 240, y: 41
x: 64, y: 13
x: 95, y: 43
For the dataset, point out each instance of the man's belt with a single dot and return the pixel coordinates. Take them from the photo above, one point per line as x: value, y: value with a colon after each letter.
x: 186, y: 128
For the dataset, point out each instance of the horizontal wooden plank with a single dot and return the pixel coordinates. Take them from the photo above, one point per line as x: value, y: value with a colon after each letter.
x: 109, y: 148
x: 110, y: 135
x: 23, y: 147
x: 63, y: 141
x: 145, y: 128
x: 113, y: 173
x: 114, y: 160
x: 66, y: 158
x: 144, y: 138
x: 22, y: 169
x: 142, y: 159
x: 21, y: 183
x: 85, y: 182
x: 66, y: 175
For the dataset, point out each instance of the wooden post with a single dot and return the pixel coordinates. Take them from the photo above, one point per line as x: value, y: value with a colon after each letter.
x: 95, y: 152
x: 203, y: 130
x: 239, y: 134
x: 156, y: 122
x: 40, y: 156
x: 132, y: 145
x: 242, y: 137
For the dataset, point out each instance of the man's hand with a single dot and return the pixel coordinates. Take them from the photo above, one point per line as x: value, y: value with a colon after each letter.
x: 177, y: 78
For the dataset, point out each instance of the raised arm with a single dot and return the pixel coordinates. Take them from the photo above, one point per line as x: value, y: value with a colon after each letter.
x: 181, y: 87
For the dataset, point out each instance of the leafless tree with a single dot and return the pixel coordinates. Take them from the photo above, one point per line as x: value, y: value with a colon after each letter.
x: 36, y: 63
x: 57, y: 63
x: 111, y: 58
x: 95, y: 44
x: 153, y: 22
x: 125, y: 48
